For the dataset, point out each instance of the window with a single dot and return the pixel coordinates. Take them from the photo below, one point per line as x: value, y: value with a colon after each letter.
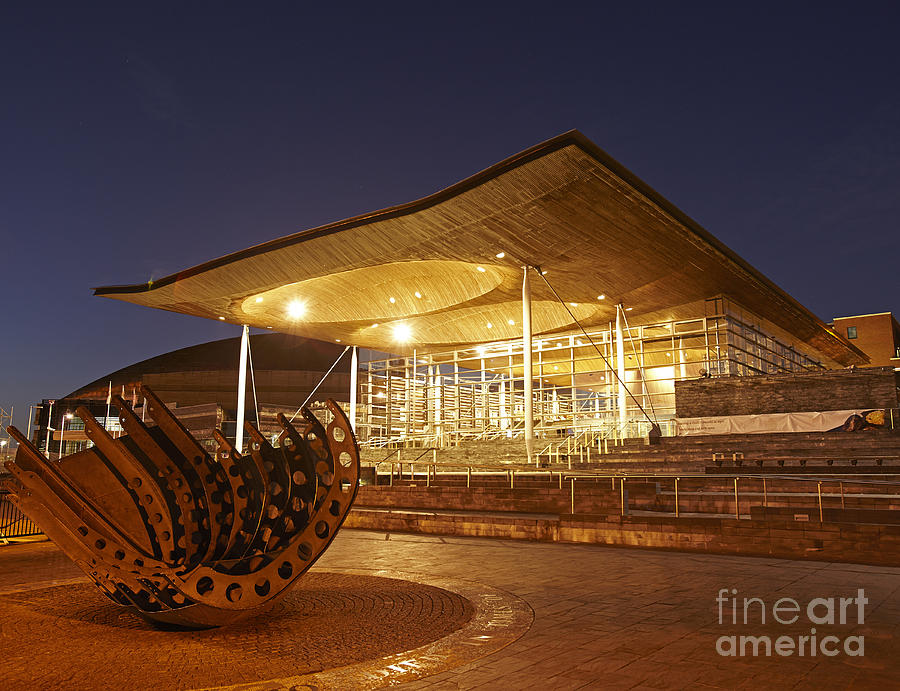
x: 851, y: 332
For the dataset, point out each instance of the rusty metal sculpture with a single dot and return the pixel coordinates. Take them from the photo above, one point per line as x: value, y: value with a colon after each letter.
x: 181, y: 537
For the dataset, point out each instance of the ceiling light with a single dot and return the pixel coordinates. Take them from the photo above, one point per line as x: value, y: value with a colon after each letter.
x: 402, y: 332
x: 393, y: 300
x: 543, y: 273
x: 337, y: 340
x: 601, y: 296
x: 375, y: 325
x: 511, y: 322
x: 418, y: 294
x: 481, y: 269
x: 574, y: 304
x: 555, y: 367
x: 500, y: 255
x: 268, y: 327
x: 628, y: 309
x: 490, y: 326
x: 296, y: 309
x: 259, y: 299
x: 221, y: 319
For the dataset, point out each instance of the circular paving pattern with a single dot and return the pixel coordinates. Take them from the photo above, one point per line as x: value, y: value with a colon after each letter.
x: 333, y: 630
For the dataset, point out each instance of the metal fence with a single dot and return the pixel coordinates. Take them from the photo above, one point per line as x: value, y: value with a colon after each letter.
x: 14, y: 523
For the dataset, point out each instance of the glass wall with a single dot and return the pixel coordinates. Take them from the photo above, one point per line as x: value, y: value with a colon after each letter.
x: 478, y: 392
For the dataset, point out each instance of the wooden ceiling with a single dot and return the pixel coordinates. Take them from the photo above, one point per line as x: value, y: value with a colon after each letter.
x: 447, y: 269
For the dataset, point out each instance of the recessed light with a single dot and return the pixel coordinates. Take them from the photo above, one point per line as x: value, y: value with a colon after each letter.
x: 555, y: 367
x: 221, y: 319
x: 393, y: 300
x: 268, y: 327
x: 402, y: 332
x: 511, y: 322
x: 500, y: 255
x: 337, y: 340
x: 573, y: 304
x: 490, y: 326
x: 375, y: 325
x: 481, y: 269
x: 418, y: 294
x: 259, y: 299
x: 543, y: 273
x: 628, y: 309
x: 296, y: 309
x: 601, y: 296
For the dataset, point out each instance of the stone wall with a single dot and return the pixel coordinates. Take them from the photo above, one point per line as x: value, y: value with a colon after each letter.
x: 873, y: 387
x: 789, y: 539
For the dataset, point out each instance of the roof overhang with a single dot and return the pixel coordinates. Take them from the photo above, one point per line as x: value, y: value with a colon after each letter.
x: 448, y: 265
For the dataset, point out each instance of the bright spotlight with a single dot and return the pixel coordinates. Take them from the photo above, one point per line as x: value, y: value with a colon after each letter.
x: 402, y: 332
x: 296, y: 309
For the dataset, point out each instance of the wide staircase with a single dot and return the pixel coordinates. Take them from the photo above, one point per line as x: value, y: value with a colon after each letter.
x: 871, y: 452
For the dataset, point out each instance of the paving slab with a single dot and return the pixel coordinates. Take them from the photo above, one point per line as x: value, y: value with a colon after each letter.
x: 606, y: 617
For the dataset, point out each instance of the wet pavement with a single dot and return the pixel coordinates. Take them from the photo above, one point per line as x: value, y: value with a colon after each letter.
x: 554, y: 616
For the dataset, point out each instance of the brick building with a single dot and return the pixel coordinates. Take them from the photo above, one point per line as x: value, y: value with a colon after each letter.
x: 877, y: 335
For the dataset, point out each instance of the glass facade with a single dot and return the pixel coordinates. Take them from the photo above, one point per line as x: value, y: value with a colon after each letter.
x: 478, y: 391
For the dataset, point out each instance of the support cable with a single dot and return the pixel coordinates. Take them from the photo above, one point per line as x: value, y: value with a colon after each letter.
x: 591, y: 341
x: 640, y: 367
x: 324, y: 377
x: 253, y: 382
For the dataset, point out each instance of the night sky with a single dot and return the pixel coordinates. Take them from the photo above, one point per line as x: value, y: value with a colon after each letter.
x: 137, y: 141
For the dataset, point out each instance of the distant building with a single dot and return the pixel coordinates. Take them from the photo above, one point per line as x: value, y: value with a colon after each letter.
x: 877, y: 335
x: 199, y: 384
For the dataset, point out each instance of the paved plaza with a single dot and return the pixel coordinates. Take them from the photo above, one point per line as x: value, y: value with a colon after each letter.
x: 602, y: 618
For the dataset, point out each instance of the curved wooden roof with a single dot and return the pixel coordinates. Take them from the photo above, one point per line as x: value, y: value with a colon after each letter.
x: 448, y: 265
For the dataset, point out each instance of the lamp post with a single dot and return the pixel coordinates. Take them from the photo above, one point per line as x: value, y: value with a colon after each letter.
x: 62, y: 431
x: 31, y: 410
x: 49, y: 423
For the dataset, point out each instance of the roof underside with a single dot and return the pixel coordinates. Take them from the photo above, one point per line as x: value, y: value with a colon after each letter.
x: 432, y: 265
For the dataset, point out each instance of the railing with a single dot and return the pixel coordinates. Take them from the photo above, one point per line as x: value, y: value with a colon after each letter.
x: 736, y: 492
x: 14, y: 523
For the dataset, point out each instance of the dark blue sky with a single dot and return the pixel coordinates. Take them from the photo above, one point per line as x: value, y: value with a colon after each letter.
x: 136, y: 141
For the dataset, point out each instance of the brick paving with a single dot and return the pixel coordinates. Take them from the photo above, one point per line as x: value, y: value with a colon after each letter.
x: 614, y: 618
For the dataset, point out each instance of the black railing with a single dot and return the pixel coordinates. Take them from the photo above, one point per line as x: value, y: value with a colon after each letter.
x: 14, y: 523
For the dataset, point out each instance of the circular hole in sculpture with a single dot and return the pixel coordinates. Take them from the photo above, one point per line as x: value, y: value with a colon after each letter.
x: 298, y: 477
x: 262, y: 587
x: 322, y: 529
x: 234, y: 592
x: 335, y: 508
x: 304, y: 551
x: 100, y: 544
x: 345, y: 459
x: 205, y: 585
x: 285, y: 570
x: 338, y: 434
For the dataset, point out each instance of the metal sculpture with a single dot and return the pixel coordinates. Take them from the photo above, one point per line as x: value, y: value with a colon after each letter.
x: 184, y: 538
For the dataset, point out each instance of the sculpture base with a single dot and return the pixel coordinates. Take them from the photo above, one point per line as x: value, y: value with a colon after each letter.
x: 351, y: 624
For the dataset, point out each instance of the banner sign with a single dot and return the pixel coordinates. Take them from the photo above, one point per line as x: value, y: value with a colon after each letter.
x: 850, y: 420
